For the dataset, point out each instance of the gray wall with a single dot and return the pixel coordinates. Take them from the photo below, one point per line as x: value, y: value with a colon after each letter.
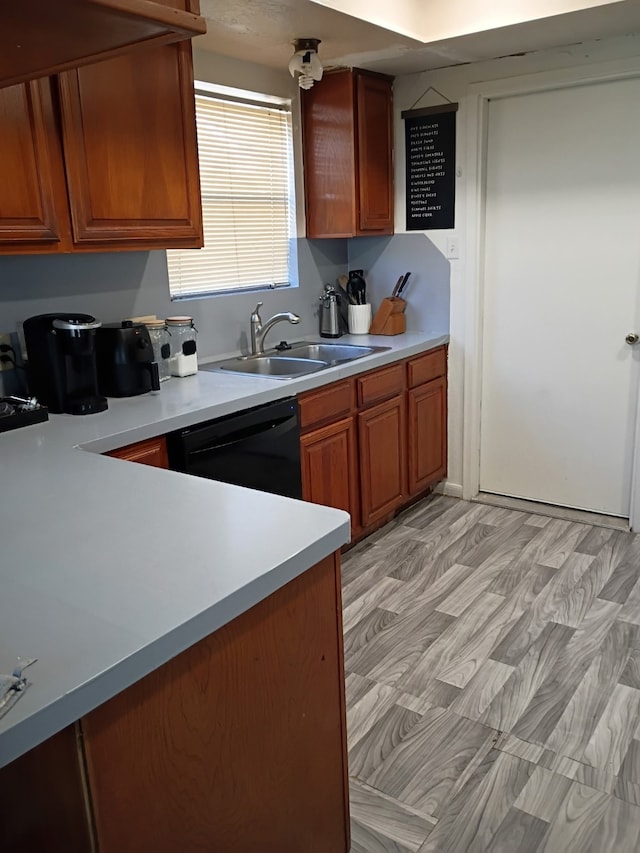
x: 113, y: 286
x: 383, y: 259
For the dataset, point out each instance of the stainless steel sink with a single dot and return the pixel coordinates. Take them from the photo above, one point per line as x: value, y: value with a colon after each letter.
x: 277, y: 367
x: 331, y: 353
x: 303, y: 358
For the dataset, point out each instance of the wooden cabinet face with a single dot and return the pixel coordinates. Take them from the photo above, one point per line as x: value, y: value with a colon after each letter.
x: 380, y: 385
x: 329, y: 157
x: 45, y: 816
x: 382, y: 453
x: 238, y: 743
x: 113, y: 159
x: 152, y: 452
x: 427, y: 435
x: 426, y: 367
x: 28, y: 162
x: 130, y: 151
x: 348, y: 143
x: 41, y: 38
x: 399, y: 448
x: 375, y: 144
x: 329, y: 468
x: 325, y: 404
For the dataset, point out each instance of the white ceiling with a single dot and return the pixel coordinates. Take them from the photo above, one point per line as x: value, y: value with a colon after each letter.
x: 262, y: 31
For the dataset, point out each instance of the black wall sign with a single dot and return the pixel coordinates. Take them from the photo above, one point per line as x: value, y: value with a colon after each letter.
x: 430, y: 148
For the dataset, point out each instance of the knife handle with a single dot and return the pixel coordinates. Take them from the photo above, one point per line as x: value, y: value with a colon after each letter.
x: 404, y: 281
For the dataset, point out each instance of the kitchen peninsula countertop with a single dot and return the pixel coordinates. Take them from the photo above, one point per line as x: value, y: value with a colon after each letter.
x: 110, y: 569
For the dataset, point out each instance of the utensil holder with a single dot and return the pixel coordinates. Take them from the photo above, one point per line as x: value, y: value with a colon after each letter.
x: 359, y: 319
x: 390, y: 318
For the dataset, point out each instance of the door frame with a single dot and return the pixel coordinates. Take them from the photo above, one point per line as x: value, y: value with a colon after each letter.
x: 476, y: 105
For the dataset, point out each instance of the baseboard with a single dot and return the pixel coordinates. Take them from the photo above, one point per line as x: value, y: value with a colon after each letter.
x: 552, y: 511
x: 452, y: 490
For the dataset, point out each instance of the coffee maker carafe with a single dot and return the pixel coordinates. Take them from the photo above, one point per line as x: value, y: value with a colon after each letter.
x: 61, y: 365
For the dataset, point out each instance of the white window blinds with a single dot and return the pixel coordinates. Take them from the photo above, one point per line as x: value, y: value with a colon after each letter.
x: 246, y: 158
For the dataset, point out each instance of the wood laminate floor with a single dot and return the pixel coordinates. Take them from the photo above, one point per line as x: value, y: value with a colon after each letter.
x: 493, y: 684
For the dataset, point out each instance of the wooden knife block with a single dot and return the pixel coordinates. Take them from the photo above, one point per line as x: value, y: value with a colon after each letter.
x: 390, y: 318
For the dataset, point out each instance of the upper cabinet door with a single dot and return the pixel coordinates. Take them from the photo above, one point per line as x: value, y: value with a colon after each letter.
x: 130, y: 150
x: 347, y: 140
x: 328, y: 135
x: 375, y: 146
x: 30, y: 167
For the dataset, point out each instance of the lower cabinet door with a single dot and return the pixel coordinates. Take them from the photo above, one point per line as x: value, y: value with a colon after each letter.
x: 329, y: 468
x: 238, y: 744
x: 382, y: 450
x: 427, y: 435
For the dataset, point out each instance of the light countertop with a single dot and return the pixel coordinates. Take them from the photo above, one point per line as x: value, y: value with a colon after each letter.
x: 109, y: 569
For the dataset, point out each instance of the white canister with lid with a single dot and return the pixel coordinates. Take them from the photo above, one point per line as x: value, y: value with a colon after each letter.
x: 184, y: 358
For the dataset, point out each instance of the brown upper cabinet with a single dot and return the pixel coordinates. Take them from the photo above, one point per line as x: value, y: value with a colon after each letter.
x: 129, y: 140
x: 347, y: 126
x: 32, y: 182
x: 102, y: 158
x: 42, y: 37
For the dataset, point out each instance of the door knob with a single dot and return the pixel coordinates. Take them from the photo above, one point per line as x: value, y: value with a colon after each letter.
x: 632, y: 338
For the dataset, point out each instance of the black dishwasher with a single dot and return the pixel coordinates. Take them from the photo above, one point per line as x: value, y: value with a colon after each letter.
x: 258, y: 448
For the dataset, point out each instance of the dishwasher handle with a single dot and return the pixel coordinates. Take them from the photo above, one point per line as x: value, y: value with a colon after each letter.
x: 243, y: 435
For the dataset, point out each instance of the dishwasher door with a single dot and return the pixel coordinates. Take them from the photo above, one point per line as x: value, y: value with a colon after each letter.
x: 258, y: 448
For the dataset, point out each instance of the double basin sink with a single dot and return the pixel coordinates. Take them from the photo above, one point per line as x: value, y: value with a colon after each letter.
x: 302, y: 358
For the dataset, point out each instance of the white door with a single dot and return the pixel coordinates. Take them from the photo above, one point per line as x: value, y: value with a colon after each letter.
x: 562, y: 275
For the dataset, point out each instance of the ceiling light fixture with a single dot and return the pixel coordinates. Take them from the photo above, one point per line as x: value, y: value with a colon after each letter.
x: 305, y: 62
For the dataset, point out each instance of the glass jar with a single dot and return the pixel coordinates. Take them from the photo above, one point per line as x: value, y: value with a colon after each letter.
x: 160, y: 340
x: 183, y: 360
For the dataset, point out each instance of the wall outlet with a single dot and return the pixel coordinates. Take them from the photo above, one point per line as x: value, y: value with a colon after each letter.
x: 6, y: 340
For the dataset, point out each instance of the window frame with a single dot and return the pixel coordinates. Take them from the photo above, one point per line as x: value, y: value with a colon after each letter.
x: 262, y: 100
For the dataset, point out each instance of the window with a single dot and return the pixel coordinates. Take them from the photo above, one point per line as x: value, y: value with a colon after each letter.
x: 246, y: 172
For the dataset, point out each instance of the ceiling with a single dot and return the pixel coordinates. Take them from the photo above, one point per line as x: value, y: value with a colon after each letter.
x: 261, y: 31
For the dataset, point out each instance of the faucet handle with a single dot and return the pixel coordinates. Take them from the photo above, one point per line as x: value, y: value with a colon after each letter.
x: 256, y: 313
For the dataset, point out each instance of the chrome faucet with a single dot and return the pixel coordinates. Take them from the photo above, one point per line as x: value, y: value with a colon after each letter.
x: 259, y: 332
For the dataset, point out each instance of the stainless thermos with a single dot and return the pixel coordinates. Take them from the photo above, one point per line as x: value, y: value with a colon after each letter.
x: 330, y: 326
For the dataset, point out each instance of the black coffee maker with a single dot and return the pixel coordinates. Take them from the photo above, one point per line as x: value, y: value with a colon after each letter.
x: 61, y: 368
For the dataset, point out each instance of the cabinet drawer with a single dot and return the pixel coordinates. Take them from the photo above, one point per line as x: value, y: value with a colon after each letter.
x: 426, y: 367
x: 326, y: 404
x: 378, y: 386
x: 152, y: 452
